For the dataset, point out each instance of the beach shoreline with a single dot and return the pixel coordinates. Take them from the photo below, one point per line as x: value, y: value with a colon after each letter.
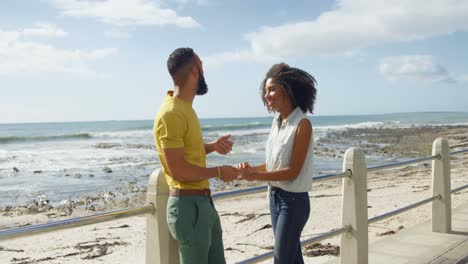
x: 122, y: 241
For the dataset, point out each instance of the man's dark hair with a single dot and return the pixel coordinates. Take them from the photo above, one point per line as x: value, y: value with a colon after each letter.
x: 299, y: 85
x: 179, y: 62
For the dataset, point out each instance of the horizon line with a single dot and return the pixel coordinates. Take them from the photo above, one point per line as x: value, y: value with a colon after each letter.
x: 204, y: 118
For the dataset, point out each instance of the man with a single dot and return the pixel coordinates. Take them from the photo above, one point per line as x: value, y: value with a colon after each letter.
x: 193, y: 221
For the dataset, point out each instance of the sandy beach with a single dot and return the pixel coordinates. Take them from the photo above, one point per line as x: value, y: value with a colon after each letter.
x: 245, y: 220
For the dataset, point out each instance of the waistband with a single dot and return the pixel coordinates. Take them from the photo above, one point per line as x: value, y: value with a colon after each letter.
x: 182, y: 192
x: 279, y: 190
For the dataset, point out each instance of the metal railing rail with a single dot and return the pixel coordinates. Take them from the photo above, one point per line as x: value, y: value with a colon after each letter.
x: 459, y: 145
x: 461, y: 188
x: 315, y: 239
x: 398, y: 164
x: 75, y: 222
x: 403, y: 209
x: 334, y: 176
x: 237, y: 193
x: 151, y: 209
x: 458, y: 152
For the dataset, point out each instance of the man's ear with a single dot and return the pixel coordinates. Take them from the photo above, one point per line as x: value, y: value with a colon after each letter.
x: 194, y: 71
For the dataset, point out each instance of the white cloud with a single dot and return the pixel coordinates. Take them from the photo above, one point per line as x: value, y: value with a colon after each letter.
x: 98, y: 54
x: 39, y: 30
x: 197, y: 2
x: 355, y: 24
x: 117, y: 34
x: 183, y: 3
x: 20, y: 52
x: 221, y: 58
x: 420, y: 67
x: 463, y: 78
x: 43, y: 30
x: 124, y: 12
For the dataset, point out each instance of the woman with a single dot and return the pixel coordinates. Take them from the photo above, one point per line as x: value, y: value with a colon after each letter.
x: 291, y: 93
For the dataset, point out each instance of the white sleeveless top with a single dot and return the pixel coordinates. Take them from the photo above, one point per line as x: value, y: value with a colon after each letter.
x: 279, y: 149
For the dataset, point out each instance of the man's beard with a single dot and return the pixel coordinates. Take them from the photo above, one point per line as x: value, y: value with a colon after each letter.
x: 202, y: 86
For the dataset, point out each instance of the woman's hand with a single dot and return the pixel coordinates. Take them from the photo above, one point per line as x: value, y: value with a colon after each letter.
x: 245, y: 171
x: 244, y: 165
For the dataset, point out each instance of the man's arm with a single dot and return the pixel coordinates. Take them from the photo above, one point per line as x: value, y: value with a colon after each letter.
x: 171, y: 130
x: 209, y: 147
x: 182, y: 171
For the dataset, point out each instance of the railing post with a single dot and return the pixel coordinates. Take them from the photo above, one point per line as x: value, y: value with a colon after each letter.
x: 355, y: 244
x: 161, y: 248
x: 441, y: 208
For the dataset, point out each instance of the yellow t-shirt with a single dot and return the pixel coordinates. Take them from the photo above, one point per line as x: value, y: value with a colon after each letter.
x: 177, y: 126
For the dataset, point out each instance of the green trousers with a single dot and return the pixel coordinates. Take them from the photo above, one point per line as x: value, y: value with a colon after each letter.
x: 194, y: 223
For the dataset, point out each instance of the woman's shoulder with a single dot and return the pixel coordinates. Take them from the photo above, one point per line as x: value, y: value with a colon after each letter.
x: 305, y: 123
x: 300, y: 117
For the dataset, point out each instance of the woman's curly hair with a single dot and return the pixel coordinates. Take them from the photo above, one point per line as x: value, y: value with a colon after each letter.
x: 299, y: 85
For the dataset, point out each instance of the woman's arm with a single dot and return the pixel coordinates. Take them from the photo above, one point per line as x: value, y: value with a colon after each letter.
x: 299, y: 154
x: 260, y: 168
x: 246, y: 165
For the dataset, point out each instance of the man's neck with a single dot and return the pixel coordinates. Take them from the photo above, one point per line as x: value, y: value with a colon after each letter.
x: 184, y: 93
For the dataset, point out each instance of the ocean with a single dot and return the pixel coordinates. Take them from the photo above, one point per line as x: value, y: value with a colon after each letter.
x: 63, y: 161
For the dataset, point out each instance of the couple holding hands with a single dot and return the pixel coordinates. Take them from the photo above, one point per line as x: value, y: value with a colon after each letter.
x: 191, y: 216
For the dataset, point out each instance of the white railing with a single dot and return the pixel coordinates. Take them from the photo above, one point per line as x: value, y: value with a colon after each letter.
x: 161, y: 248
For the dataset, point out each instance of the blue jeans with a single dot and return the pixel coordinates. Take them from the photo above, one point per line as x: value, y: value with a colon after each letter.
x: 289, y: 214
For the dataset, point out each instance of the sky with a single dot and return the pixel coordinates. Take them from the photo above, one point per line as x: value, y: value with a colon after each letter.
x: 86, y: 60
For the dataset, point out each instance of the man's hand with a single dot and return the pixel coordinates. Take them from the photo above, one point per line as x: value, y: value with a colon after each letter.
x: 228, y: 173
x: 223, y: 145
